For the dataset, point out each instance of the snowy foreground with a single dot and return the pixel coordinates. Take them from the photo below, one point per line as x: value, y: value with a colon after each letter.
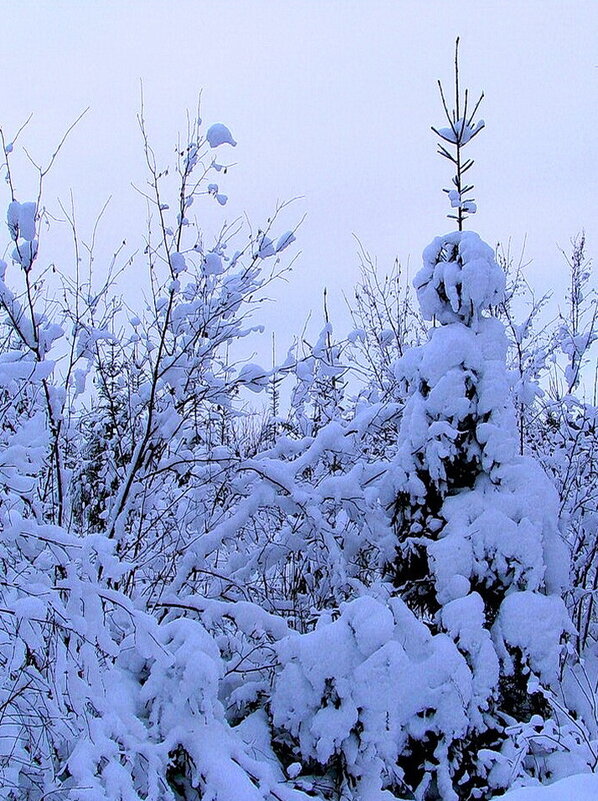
x: 574, y: 788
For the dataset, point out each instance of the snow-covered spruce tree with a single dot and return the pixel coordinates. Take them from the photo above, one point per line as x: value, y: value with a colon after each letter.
x: 478, y: 554
x: 430, y: 693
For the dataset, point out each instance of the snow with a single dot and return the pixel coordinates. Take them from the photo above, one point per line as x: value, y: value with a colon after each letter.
x: 284, y: 241
x: 266, y: 248
x: 455, y: 198
x: 253, y: 377
x: 582, y: 787
x: 212, y: 264
x: 218, y: 134
x: 25, y: 253
x: 21, y: 218
x: 460, y: 131
x: 177, y: 263
x: 527, y: 621
x: 459, y: 278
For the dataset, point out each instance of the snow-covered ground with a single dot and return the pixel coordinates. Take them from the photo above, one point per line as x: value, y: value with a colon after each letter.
x: 583, y: 787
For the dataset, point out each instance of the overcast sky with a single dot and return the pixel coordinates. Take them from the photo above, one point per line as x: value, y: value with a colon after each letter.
x: 330, y: 100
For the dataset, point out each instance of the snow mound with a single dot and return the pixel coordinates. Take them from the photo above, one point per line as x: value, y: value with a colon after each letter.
x: 583, y: 787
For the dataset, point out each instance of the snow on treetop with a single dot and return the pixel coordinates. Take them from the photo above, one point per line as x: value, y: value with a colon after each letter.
x: 459, y: 278
x: 461, y: 131
x: 219, y: 134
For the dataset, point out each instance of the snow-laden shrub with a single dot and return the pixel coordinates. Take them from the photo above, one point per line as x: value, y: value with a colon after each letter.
x: 106, y: 693
x: 159, y: 731
x: 362, y: 693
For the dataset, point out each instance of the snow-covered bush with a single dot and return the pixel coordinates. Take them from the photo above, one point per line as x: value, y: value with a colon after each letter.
x: 363, y: 694
x: 113, y: 458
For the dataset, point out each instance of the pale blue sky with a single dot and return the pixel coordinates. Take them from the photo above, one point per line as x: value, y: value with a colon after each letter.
x: 330, y: 100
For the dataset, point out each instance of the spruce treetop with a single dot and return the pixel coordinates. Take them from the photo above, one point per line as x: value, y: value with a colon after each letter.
x: 462, y: 128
